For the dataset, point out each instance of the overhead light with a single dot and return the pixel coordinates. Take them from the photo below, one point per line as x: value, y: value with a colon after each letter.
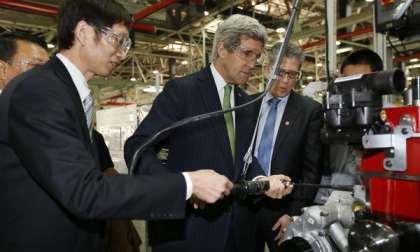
x: 155, y: 72
x: 133, y: 79
x: 414, y: 60
x: 310, y: 78
x: 280, y: 30
x: 337, y: 43
x: 319, y: 64
x: 184, y: 62
x: 369, y: 1
x: 413, y: 66
x: 206, y: 13
x: 344, y: 49
x: 50, y: 46
x: 261, y: 7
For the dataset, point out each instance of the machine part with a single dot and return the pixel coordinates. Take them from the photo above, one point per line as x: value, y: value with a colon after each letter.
x: 409, y: 234
x: 368, y: 235
x: 396, y: 142
x: 323, y: 228
x: 415, y: 91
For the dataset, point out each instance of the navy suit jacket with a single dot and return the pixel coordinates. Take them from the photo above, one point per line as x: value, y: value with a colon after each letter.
x: 53, y: 196
x: 297, y: 152
x: 199, y: 145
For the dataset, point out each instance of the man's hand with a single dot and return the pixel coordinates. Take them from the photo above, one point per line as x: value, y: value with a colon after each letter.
x: 278, y: 189
x: 281, y: 226
x: 209, y: 186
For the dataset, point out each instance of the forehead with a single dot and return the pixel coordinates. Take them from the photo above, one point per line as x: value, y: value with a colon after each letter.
x: 290, y: 64
x: 251, y: 43
x: 26, y: 50
x: 356, y: 69
x: 120, y: 28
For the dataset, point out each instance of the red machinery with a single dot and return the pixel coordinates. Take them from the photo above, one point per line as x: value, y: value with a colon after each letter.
x: 391, y: 166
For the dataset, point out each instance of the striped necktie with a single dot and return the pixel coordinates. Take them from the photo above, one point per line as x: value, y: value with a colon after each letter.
x: 229, y: 119
x: 266, y: 143
x: 88, y: 108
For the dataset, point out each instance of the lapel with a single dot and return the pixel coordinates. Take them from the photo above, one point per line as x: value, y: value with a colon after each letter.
x: 290, y: 114
x: 66, y: 79
x: 210, y: 96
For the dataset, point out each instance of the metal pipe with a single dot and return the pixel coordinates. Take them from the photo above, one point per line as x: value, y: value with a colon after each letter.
x: 30, y: 7
x: 152, y: 9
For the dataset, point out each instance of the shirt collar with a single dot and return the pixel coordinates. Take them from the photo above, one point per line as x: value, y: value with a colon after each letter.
x: 78, y: 79
x: 218, y: 79
x: 269, y: 96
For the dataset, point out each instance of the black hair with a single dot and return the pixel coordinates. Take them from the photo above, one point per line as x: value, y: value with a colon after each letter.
x: 363, y: 57
x: 8, y: 43
x: 98, y: 13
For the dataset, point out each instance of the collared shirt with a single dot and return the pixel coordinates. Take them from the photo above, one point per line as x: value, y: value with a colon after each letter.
x: 265, y: 108
x: 78, y: 78
x: 220, y: 86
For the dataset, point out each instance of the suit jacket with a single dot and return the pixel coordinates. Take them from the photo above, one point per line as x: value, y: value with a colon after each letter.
x: 297, y: 152
x: 53, y: 196
x: 199, y: 145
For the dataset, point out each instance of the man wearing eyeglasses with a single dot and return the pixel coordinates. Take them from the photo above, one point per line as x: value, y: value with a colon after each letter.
x: 288, y: 142
x: 53, y: 196
x: 19, y: 52
x: 218, y: 143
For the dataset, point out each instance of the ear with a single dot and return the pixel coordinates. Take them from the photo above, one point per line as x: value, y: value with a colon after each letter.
x: 221, y: 50
x: 82, y: 32
x: 267, y: 71
x: 3, y: 70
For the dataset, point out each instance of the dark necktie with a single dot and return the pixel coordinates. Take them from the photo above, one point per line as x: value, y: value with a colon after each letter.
x: 229, y: 119
x: 266, y: 143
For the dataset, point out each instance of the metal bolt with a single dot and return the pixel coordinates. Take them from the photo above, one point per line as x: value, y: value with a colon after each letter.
x: 404, y: 131
x: 388, y: 163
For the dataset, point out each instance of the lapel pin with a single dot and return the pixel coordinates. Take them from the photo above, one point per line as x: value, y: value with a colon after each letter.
x: 287, y: 123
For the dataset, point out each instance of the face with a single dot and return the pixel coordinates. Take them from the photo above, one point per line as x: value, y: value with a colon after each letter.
x: 236, y: 66
x: 28, y: 55
x: 287, y: 77
x: 104, y: 50
x: 356, y: 69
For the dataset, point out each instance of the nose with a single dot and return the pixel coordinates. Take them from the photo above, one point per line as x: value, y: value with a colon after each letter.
x: 252, y: 63
x: 121, y: 54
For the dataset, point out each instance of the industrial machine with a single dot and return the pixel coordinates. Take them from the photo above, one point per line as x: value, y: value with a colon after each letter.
x: 383, y: 213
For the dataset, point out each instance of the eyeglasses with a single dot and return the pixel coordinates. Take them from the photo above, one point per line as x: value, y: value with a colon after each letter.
x: 291, y: 75
x: 118, y: 41
x: 248, y: 54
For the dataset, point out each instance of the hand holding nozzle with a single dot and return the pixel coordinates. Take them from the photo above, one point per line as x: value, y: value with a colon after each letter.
x: 280, y: 186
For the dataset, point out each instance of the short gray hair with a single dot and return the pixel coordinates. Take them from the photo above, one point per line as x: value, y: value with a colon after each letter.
x: 292, y: 51
x: 233, y: 28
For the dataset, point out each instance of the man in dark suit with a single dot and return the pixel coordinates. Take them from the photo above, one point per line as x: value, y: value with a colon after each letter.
x: 53, y: 194
x: 218, y: 143
x: 288, y: 142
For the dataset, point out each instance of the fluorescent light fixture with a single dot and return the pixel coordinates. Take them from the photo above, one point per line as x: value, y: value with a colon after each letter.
x: 344, y: 49
x: 319, y: 64
x: 280, y: 30
x: 414, y: 60
x: 152, y: 89
x: 369, y: 1
x: 184, y: 62
x: 155, y: 71
x: 337, y: 43
x: 133, y: 79
x: 206, y: 13
x: 413, y: 66
x: 50, y: 46
x: 310, y: 78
